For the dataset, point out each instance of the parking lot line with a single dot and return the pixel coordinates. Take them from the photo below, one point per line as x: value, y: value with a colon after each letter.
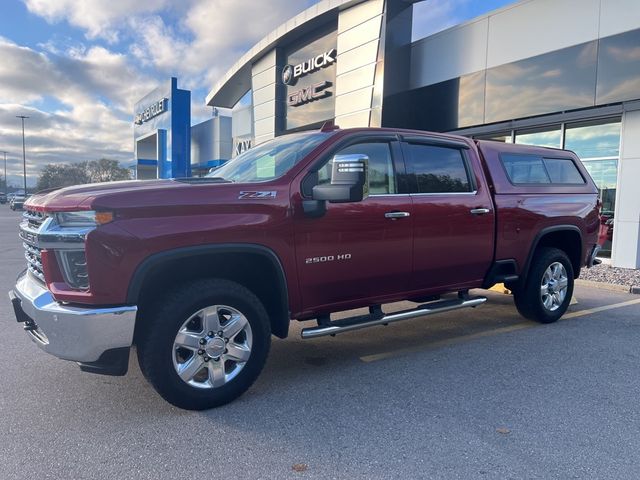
x: 604, y: 308
x: 512, y: 328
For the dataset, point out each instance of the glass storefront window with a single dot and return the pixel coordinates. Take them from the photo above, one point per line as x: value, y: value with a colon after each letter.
x: 548, y: 137
x: 504, y: 137
x: 604, y: 174
x: 598, y: 146
x: 593, y: 140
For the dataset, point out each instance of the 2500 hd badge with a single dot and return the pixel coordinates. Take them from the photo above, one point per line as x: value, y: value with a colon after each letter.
x: 328, y: 258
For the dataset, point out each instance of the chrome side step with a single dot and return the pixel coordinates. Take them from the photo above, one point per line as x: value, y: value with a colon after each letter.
x: 364, y: 321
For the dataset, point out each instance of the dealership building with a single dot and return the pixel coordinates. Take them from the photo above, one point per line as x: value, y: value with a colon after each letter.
x: 558, y: 73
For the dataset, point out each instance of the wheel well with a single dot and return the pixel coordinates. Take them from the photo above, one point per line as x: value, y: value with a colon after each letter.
x: 568, y: 241
x: 255, y: 271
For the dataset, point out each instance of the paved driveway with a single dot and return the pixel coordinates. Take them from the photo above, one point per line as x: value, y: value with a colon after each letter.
x: 470, y: 394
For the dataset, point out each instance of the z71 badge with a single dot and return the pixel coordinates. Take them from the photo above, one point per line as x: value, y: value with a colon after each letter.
x: 255, y: 195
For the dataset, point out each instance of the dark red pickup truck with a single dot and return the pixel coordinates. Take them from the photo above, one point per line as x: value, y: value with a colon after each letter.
x: 198, y: 273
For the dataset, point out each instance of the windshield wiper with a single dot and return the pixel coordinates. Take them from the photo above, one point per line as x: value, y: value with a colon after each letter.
x: 220, y: 179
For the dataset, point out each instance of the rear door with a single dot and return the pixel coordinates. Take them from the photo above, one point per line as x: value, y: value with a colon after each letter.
x: 357, y: 250
x: 453, y: 214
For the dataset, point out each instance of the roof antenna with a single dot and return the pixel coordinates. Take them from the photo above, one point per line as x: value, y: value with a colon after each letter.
x: 329, y: 126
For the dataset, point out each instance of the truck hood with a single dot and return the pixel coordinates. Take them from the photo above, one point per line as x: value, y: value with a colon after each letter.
x: 97, y: 195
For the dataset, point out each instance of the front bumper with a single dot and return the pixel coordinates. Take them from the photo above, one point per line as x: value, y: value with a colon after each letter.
x: 80, y: 334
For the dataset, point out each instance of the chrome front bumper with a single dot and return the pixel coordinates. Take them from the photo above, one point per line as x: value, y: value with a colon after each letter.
x: 71, y: 333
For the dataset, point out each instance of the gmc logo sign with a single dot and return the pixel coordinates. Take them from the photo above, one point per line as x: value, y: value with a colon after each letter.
x: 309, y: 94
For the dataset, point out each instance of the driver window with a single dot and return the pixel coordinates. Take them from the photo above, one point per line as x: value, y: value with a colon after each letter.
x: 381, y: 174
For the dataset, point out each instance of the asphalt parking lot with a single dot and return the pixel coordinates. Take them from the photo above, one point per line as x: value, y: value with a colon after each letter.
x: 469, y: 394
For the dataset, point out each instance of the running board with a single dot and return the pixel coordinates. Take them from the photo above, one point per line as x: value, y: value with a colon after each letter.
x: 364, y: 321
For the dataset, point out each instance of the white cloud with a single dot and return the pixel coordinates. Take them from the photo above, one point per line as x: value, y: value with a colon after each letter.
x: 92, y: 92
x: 59, y: 138
x: 436, y: 15
x: 27, y: 75
x: 99, y: 18
x: 211, y: 37
x: 80, y: 95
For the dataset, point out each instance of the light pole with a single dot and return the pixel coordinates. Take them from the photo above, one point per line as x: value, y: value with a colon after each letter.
x: 6, y: 184
x: 24, y: 155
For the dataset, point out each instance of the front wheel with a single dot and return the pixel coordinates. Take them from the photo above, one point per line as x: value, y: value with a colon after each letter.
x: 547, y: 292
x: 205, y: 344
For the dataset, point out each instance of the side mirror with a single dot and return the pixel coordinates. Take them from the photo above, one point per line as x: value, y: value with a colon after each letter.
x: 349, y: 180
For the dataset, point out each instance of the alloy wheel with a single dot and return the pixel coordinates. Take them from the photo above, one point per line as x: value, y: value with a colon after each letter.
x: 212, y: 346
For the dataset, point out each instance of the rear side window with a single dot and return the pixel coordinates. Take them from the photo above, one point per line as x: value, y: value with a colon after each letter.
x: 437, y: 169
x: 534, y: 169
x: 525, y: 169
x: 563, y: 170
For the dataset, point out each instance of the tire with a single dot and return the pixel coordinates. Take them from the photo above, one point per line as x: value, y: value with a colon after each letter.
x: 552, y: 268
x: 191, y: 311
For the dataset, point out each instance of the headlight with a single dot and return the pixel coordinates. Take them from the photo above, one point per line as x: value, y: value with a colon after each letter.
x: 74, y: 268
x: 86, y: 218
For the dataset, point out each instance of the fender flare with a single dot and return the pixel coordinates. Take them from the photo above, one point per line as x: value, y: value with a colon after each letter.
x: 280, y: 325
x: 538, y: 237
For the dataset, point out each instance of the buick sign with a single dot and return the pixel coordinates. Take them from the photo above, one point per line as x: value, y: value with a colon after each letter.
x: 291, y: 73
x: 287, y: 75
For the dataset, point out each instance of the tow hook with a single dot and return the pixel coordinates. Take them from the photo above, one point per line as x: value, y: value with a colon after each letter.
x: 30, y: 325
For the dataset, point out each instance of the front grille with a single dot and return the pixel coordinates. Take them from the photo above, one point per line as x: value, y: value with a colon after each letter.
x: 34, y: 260
x: 34, y: 219
x: 28, y: 232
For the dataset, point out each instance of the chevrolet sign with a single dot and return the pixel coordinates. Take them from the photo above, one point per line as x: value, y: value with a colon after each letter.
x: 151, y: 111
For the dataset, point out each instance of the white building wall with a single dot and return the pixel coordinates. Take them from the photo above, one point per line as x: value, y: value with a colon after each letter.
x: 540, y: 26
x: 618, y: 16
x: 358, y: 45
x: 211, y: 140
x: 626, y: 238
x: 522, y: 30
x: 263, y: 86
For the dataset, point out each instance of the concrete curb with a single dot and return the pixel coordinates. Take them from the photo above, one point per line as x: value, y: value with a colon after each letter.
x: 608, y: 286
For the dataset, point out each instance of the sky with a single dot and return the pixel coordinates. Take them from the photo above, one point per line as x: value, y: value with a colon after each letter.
x: 76, y: 67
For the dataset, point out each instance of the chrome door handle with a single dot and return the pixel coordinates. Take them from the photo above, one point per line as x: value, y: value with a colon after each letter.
x: 396, y: 215
x: 480, y: 211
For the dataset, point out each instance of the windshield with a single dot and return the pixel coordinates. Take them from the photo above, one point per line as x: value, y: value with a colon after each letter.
x: 271, y: 159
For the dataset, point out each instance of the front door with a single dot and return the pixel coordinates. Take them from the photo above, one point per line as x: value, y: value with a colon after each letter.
x: 359, y: 250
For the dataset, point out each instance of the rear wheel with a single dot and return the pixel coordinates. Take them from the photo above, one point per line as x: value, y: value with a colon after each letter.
x: 204, y: 345
x: 547, y: 293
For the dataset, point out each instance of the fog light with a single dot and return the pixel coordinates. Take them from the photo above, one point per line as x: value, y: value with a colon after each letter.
x: 74, y: 268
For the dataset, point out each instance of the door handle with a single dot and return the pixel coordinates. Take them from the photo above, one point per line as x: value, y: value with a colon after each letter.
x: 396, y: 215
x: 480, y: 211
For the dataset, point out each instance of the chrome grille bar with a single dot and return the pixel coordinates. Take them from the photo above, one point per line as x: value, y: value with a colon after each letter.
x: 29, y: 234
x: 33, y: 218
